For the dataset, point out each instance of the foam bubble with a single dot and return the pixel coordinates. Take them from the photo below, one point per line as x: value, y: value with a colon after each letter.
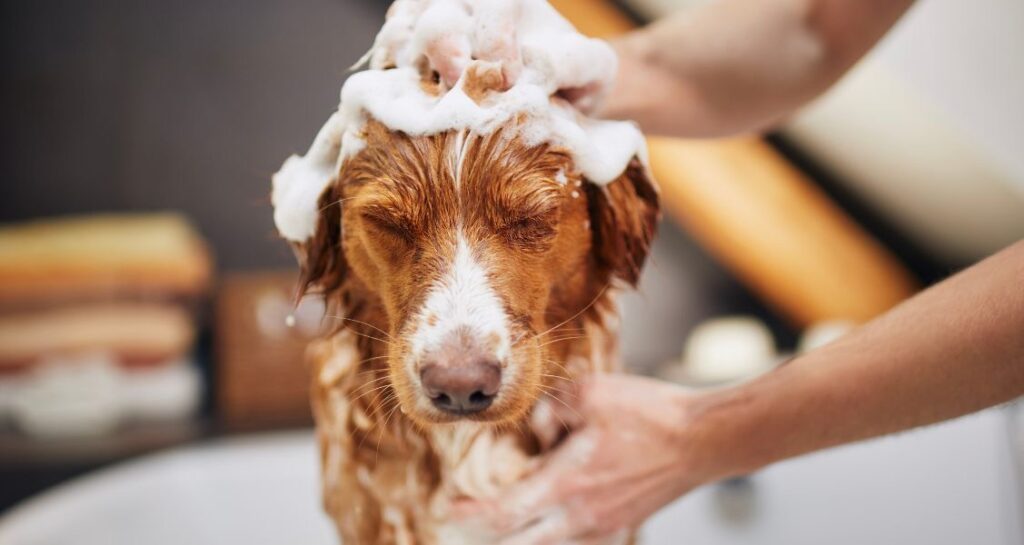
x: 552, y: 75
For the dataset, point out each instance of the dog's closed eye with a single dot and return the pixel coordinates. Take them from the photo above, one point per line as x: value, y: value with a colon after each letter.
x: 396, y: 227
x: 531, y: 231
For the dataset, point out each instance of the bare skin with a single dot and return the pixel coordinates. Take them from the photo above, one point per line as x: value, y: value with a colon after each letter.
x: 638, y: 444
x: 739, y: 66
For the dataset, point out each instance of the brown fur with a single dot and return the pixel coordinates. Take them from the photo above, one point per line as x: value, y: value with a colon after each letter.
x: 385, y: 233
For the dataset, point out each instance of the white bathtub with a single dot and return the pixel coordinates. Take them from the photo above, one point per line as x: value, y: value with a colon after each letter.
x: 951, y: 484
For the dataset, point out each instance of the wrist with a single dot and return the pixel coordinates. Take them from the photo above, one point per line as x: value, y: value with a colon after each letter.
x: 715, y: 440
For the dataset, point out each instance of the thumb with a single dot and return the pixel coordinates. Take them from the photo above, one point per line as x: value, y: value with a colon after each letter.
x: 519, y: 506
x: 535, y: 496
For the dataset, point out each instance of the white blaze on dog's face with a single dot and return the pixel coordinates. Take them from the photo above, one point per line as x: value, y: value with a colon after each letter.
x: 462, y: 303
x: 466, y: 250
x: 459, y: 339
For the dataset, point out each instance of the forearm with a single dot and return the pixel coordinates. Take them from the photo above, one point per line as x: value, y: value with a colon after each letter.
x: 954, y: 349
x: 741, y: 65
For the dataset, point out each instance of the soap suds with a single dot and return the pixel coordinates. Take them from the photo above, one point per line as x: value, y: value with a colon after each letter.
x: 561, y: 178
x: 541, y: 57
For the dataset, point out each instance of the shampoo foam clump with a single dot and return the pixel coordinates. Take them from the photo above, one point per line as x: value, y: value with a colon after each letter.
x: 542, y: 60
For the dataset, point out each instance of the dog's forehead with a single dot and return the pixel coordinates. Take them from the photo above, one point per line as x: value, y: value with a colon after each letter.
x: 459, y: 168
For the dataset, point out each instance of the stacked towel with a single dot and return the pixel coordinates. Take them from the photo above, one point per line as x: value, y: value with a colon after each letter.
x: 97, y: 321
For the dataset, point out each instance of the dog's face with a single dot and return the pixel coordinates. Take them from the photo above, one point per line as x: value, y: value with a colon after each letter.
x: 467, y: 252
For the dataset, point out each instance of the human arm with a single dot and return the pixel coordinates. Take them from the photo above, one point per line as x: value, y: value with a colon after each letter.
x: 638, y: 444
x: 736, y: 66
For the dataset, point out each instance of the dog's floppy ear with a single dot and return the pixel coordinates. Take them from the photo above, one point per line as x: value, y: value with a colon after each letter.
x: 623, y: 217
x: 321, y: 258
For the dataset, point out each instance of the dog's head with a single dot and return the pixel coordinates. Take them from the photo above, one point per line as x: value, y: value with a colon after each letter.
x: 466, y: 252
x: 471, y: 250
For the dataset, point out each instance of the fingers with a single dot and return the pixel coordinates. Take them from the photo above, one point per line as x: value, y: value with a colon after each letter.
x: 538, y: 495
x: 443, y: 31
x: 586, y: 98
x: 580, y: 402
x: 495, y: 39
x: 521, y: 505
x: 614, y: 540
x: 452, y: 37
x: 517, y: 509
x: 552, y: 529
x: 526, y: 502
x: 448, y: 54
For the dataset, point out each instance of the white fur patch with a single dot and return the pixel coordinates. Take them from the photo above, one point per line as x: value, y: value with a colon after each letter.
x: 462, y: 300
x: 459, y: 150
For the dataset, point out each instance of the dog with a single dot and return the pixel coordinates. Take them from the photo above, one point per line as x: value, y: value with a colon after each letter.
x: 470, y: 276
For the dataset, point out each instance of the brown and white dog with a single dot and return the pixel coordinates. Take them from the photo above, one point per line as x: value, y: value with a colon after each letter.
x: 469, y: 275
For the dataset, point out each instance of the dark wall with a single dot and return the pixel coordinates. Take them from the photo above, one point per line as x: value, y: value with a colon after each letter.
x: 158, y: 104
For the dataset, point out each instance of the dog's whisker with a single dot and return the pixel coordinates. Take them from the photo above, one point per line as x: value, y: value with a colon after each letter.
x: 333, y: 203
x: 369, y: 383
x: 353, y: 320
x: 371, y: 391
x: 566, y: 393
x: 382, y: 356
x: 561, y: 339
x: 582, y: 310
x: 372, y: 370
x: 380, y: 406
x: 558, y: 364
x: 566, y: 334
x: 371, y: 416
x: 384, y: 428
x: 563, y: 330
x: 564, y: 404
x: 368, y: 336
x: 565, y: 425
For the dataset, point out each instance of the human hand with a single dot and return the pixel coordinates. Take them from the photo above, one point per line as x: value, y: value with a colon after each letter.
x: 451, y: 37
x: 661, y: 100
x: 624, y: 459
x: 505, y: 38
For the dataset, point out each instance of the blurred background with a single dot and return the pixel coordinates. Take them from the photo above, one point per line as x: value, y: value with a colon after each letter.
x: 144, y: 292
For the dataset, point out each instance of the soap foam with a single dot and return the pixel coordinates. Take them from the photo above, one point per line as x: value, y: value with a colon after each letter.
x: 539, y: 55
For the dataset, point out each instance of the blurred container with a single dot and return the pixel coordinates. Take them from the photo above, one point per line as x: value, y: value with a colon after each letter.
x: 724, y: 351
x: 262, y: 379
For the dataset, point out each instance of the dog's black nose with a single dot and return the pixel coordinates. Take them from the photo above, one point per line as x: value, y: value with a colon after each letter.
x: 462, y: 389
